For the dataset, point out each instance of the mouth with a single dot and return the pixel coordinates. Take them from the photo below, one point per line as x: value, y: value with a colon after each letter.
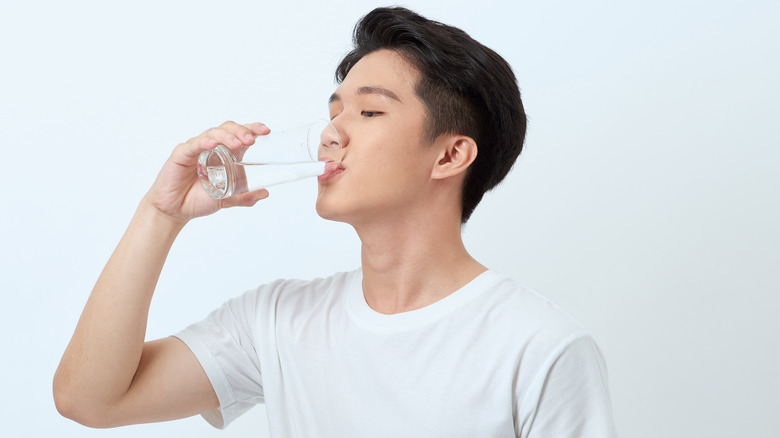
x: 332, y: 169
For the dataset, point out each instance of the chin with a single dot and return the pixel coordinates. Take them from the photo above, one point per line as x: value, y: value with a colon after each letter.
x: 326, y: 209
x: 338, y: 208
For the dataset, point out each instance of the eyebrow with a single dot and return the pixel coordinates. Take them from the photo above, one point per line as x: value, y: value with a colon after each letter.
x: 368, y: 90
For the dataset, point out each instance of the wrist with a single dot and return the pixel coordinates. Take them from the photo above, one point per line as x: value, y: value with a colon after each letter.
x: 164, y: 223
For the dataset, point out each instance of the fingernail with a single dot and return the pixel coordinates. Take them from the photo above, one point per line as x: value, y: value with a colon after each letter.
x: 248, y: 137
x: 236, y: 141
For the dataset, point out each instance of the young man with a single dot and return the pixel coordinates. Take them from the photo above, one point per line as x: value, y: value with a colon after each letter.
x: 421, y: 341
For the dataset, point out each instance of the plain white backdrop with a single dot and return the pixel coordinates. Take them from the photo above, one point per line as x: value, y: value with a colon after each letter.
x: 645, y: 203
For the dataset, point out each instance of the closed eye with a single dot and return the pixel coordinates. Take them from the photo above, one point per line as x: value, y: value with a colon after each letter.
x: 370, y: 113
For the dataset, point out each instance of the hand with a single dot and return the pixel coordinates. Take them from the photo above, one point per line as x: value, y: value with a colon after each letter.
x: 177, y: 193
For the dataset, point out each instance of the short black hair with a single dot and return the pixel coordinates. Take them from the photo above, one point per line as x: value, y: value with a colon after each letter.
x: 467, y: 89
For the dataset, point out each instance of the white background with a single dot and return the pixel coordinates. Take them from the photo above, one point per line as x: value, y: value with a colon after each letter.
x: 645, y: 203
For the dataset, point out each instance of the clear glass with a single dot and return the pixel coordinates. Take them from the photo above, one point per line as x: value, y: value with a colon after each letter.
x: 276, y: 158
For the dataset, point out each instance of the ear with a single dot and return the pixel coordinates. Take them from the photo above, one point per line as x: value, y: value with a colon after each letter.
x: 457, y: 152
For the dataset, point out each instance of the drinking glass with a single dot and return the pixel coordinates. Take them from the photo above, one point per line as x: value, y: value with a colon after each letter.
x: 279, y: 157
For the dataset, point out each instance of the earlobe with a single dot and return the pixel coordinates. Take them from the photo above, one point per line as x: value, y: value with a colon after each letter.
x: 457, y: 154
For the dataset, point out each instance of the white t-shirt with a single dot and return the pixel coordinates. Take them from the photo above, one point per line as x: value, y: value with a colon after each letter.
x: 493, y: 359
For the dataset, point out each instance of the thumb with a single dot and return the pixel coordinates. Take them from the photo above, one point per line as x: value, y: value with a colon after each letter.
x: 246, y: 199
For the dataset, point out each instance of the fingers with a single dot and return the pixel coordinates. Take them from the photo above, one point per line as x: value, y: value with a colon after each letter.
x: 242, y: 135
x: 195, y: 146
x: 258, y: 128
x: 230, y: 134
x: 247, y: 199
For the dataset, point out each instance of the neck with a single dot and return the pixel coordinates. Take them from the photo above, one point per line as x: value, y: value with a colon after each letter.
x: 409, y: 264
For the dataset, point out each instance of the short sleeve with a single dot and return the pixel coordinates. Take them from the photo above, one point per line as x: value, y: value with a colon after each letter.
x: 225, y: 346
x: 571, y: 395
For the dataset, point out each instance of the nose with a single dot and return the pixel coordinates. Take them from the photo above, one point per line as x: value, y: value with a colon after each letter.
x: 341, y: 130
x: 331, y: 144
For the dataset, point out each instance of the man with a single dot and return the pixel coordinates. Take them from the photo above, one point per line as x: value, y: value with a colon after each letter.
x: 421, y: 341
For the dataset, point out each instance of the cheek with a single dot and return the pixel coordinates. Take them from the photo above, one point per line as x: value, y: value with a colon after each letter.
x: 388, y: 171
x: 400, y: 155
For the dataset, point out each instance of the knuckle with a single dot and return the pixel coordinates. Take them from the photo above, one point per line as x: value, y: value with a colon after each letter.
x: 184, y: 145
x: 216, y: 133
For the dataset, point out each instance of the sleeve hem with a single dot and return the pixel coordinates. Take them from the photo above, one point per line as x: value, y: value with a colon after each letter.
x: 216, y: 376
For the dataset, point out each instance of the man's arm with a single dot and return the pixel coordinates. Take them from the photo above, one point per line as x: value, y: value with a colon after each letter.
x: 108, y: 375
x: 572, y: 400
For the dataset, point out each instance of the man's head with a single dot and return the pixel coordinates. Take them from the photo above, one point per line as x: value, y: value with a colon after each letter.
x: 466, y: 89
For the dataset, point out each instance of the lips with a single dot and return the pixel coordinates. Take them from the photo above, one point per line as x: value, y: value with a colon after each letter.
x: 332, y: 168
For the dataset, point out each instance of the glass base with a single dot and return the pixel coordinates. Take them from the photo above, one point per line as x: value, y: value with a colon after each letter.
x: 216, y: 172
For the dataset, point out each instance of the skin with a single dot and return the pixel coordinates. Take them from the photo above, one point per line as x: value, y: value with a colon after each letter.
x: 398, y: 190
x: 108, y: 376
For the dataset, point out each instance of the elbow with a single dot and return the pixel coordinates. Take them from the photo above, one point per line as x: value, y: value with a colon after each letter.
x: 70, y: 404
x: 62, y: 397
x: 66, y: 407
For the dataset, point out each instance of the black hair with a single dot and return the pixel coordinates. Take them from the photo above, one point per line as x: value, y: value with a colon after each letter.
x: 467, y: 89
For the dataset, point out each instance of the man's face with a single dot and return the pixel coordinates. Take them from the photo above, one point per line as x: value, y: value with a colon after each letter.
x: 386, y: 160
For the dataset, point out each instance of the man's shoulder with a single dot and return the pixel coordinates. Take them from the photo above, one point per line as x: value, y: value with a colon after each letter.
x: 298, y: 294
x: 522, y: 312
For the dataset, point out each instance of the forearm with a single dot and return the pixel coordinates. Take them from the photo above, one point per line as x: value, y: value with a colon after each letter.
x: 101, y: 360
x: 99, y: 381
